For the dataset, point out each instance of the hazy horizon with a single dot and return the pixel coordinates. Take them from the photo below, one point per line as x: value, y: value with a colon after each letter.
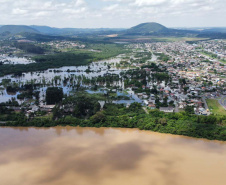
x: 110, y: 27
x: 113, y: 13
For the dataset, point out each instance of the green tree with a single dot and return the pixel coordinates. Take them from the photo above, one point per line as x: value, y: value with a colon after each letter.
x: 54, y: 95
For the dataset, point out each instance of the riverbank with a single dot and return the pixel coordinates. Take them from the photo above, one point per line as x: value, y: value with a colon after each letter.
x: 211, y: 127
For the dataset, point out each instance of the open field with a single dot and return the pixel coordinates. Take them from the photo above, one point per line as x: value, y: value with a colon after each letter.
x: 175, y: 39
x: 215, y: 107
x: 157, y: 39
x: 223, y: 61
x: 211, y: 55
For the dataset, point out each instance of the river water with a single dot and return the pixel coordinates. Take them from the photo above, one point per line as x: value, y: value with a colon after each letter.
x: 106, y: 156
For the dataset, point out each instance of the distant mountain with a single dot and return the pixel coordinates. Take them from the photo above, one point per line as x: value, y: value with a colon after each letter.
x: 47, y: 38
x: 156, y: 29
x: 205, y: 29
x: 15, y: 29
x: 218, y: 30
x: 146, y: 28
x: 35, y: 31
x: 41, y: 37
x: 212, y: 35
x: 73, y: 31
x: 47, y: 30
x: 45, y: 33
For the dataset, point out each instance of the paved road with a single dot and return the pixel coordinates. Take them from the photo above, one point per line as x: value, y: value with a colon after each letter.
x: 176, y: 108
x: 145, y: 110
x: 222, y: 101
x: 205, y: 104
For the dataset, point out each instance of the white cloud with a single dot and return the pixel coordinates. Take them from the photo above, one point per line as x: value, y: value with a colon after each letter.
x: 113, y: 13
x: 18, y: 11
x: 111, y: 7
x: 149, y: 2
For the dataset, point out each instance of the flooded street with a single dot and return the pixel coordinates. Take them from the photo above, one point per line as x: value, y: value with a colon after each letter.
x: 106, y: 156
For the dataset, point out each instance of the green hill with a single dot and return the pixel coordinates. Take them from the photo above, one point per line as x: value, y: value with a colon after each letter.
x: 15, y: 29
x: 148, y: 28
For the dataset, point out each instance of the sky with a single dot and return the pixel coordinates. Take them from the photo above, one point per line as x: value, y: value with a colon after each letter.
x: 113, y: 13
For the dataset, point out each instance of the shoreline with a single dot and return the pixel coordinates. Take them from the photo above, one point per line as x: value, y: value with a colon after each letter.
x: 137, y: 129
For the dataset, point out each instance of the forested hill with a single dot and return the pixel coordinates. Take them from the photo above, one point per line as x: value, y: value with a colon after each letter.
x: 157, y: 29
x: 15, y: 29
x: 144, y: 29
x: 151, y: 27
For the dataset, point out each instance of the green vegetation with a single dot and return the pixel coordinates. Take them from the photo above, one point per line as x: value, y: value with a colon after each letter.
x: 104, y: 96
x: 14, y: 29
x: 85, y: 111
x: 177, y: 39
x: 215, y: 107
x: 162, y: 57
x: 72, y: 58
x: 209, y: 54
x: 212, y: 55
x: 46, y: 62
x: 29, y: 48
x: 147, y: 28
x: 54, y: 95
x: 106, y: 50
x: 212, y: 35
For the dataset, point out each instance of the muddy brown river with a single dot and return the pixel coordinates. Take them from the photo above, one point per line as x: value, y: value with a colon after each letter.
x: 107, y: 156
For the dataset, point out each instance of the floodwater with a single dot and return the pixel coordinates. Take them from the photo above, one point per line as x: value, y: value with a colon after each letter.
x: 106, y: 156
x: 99, y: 69
x: 72, y: 72
x: 15, y: 60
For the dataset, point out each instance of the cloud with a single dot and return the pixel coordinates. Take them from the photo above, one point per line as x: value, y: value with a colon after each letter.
x: 111, y: 7
x: 150, y: 2
x: 18, y: 11
x: 113, y: 13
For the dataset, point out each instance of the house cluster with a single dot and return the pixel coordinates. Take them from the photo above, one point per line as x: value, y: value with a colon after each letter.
x: 30, y: 109
x: 216, y: 47
x: 64, y: 44
x: 188, y: 61
x: 193, y: 74
x: 8, y: 50
x: 178, y: 97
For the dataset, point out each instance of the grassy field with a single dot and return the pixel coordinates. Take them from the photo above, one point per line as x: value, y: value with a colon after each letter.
x: 215, y: 107
x: 49, y: 115
x: 159, y: 39
x: 224, y: 61
x: 176, y: 39
x: 209, y: 55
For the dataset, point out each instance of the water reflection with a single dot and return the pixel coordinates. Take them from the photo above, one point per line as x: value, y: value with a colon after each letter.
x: 15, y: 60
x: 107, y: 156
x: 56, y: 76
